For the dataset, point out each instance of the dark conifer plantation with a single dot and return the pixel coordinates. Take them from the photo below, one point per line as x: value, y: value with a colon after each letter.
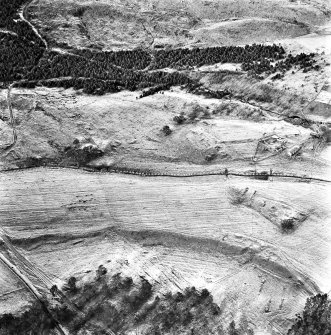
x: 24, y: 60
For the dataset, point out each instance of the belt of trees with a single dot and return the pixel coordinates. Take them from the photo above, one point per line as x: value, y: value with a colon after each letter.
x: 302, y: 61
x: 24, y: 59
x: 53, y: 65
x: 176, y: 58
x: 213, y: 55
x: 18, y: 56
x: 8, y: 11
x: 198, y: 89
x: 153, y: 90
x: 137, y: 59
x: 99, y: 86
x: 20, y: 49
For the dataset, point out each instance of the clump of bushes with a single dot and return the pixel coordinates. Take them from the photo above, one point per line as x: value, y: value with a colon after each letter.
x: 156, y: 89
x: 277, y: 76
x: 79, y: 11
x: 180, y: 119
x: 196, y: 113
x: 210, y: 157
x: 315, y: 319
x: 71, y: 285
x: 82, y: 152
x: 237, y: 196
x: 190, y: 312
x: 166, y: 130
x: 100, y: 272
x: 33, y: 321
x: 287, y: 225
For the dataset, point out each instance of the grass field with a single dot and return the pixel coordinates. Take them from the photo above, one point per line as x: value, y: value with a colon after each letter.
x: 195, y: 238
x: 129, y: 131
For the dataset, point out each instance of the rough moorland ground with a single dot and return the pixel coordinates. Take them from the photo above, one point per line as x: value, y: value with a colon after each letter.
x: 129, y: 24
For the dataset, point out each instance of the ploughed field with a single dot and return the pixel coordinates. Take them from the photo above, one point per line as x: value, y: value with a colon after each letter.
x: 224, y: 234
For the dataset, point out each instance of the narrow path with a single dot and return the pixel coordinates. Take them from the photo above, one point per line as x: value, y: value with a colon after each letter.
x: 12, y: 121
x: 11, y: 113
x: 148, y: 173
x: 22, y: 15
x: 148, y: 33
x: 9, y: 104
x: 5, y: 31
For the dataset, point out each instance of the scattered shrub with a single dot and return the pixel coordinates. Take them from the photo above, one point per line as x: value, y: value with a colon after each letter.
x: 71, y: 285
x: 287, y: 225
x: 166, y: 130
x: 100, y: 272
x: 180, y: 119
x: 237, y: 196
x: 210, y: 157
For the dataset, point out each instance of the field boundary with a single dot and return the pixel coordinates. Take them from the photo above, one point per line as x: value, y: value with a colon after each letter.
x: 259, y: 175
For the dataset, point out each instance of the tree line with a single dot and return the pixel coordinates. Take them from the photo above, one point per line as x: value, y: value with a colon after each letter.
x: 20, y: 49
x: 302, y: 61
x: 102, y: 72
x: 315, y: 318
x: 9, y: 20
x: 18, y: 56
x: 9, y: 12
x: 186, y: 57
x: 137, y: 59
x: 97, y: 77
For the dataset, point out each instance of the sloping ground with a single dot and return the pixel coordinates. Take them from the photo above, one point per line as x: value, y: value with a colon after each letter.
x: 245, y: 31
x: 129, y: 132
x: 197, y: 237
x: 134, y: 23
x: 14, y: 296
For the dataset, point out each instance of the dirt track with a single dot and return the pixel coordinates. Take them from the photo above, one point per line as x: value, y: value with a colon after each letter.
x: 12, y: 122
x: 22, y: 15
